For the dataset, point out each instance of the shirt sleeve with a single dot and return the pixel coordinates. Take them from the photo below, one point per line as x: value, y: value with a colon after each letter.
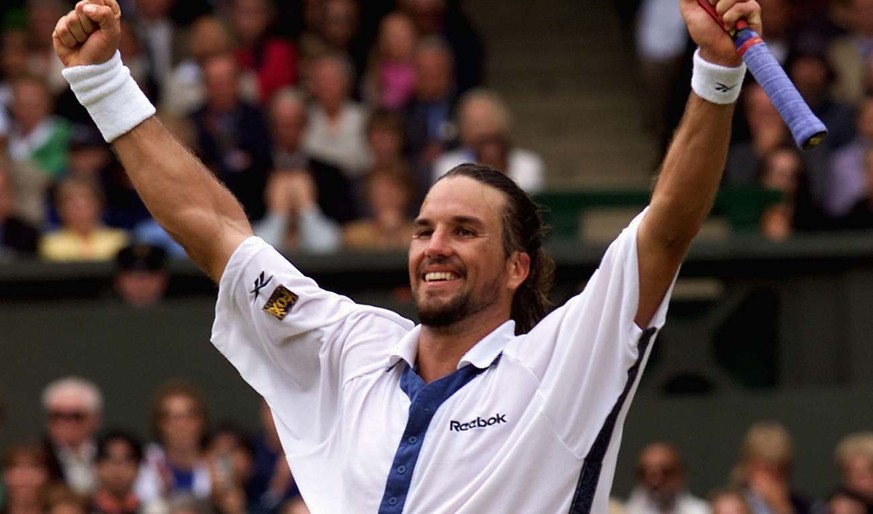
x: 582, y: 351
x: 295, y: 343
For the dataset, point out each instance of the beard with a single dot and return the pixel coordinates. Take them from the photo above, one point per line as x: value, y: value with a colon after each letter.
x: 459, y: 308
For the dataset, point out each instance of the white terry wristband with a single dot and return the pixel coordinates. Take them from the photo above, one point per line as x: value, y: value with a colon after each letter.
x: 113, y: 99
x: 717, y: 84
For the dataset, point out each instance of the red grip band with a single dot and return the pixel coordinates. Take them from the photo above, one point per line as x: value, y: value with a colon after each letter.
x: 749, y: 44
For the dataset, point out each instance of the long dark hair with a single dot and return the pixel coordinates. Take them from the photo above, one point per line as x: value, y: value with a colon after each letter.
x: 523, y: 230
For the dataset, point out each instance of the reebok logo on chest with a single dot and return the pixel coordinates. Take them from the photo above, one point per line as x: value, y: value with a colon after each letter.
x: 457, y: 426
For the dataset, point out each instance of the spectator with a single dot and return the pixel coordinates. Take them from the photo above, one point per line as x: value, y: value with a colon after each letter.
x: 846, y: 178
x: 764, y: 470
x: 385, y: 137
x: 335, y: 133
x: 444, y: 19
x: 662, y: 484
x: 207, y: 37
x: 119, y: 456
x: 232, y: 136
x: 850, y: 53
x: 485, y: 129
x: 429, y: 127
x: 82, y: 236
x: 729, y: 501
x: 91, y: 159
x: 854, y: 457
x: 288, y: 122
x: 141, y: 276
x: 17, y: 236
x: 230, y: 456
x: 73, y: 408
x: 389, y: 193
x: 37, y: 136
x: 294, y: 221
x: 389, y: 82
x: 162, y: 40
x: 271, y: 483
x: 783, y: 170
x: 175, y: 463
x: 273, y: 60
x: 25, y: 478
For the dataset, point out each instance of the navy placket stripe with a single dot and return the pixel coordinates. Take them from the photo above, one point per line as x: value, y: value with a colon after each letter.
x: 425, y: 400
x: 586, y: 487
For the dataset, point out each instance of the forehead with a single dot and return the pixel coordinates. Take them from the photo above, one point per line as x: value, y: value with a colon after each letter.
x: 658, y: 454
x: 69, y: 398
x: 463, y: 196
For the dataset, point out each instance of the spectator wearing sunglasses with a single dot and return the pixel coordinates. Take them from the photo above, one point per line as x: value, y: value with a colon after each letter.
x: 662, y: 484
x: 73, y: 408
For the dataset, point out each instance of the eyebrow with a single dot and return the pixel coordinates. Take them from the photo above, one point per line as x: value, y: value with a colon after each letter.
x: 457, y: 220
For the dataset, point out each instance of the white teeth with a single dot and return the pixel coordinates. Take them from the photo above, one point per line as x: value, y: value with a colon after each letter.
x: 438, y: 275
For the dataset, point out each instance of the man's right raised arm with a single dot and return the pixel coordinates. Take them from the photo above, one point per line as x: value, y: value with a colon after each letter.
x: 182, y: 195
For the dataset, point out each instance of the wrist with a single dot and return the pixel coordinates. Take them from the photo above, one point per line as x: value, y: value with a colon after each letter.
x: 715, y: 82
x: 111, y: 96
x: 712, y: 57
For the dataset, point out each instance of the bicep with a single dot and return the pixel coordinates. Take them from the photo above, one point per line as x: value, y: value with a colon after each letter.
x: 657, y: 265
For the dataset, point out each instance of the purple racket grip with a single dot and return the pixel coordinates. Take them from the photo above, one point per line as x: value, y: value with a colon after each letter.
x: 806, y: 129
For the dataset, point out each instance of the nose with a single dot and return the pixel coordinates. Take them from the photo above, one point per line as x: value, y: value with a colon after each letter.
x: 438, y: 245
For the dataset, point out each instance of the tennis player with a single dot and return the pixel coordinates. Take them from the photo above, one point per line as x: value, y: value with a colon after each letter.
x: 488, y: 405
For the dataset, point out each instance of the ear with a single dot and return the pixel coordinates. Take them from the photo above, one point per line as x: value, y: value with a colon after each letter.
x: 518, y: 269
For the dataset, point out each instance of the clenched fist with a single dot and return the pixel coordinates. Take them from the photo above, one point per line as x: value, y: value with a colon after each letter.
x: 89, y: 34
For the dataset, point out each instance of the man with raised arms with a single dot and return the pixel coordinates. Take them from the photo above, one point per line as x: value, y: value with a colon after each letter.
x: 487, y: 405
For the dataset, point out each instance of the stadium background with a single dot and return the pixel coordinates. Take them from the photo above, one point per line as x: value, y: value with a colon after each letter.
x: 758, y: 330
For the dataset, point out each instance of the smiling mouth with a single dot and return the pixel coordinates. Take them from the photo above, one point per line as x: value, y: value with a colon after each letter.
x: 439, y: 276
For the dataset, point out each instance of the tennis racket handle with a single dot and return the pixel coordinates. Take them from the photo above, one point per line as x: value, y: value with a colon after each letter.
x: 806, y: 129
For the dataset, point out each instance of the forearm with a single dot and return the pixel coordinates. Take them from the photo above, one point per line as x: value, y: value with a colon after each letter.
x: 682, y: 199
x: 690, y: 174
x: 183, y: 196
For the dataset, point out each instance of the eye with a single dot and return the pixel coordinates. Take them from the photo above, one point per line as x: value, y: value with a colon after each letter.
x: 464, y: 232
x: 421, y: 233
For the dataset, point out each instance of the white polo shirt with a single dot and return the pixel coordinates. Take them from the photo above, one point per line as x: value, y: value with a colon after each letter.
x: 527, y: 424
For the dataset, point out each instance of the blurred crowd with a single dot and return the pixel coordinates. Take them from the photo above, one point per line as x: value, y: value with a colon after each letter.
x: 191, y: 464
x: 328, y: 119
x: 826, y: 47
x: 759, y: 483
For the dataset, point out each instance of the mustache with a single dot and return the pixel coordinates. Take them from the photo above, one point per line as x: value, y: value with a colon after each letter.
x: 451, y: 262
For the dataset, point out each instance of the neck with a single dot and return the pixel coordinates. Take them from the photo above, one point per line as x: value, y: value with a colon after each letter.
x: 440, y: 348
x: 183, y: 458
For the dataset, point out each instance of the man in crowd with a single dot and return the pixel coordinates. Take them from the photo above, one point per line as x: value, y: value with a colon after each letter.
x: 662, y: 484
x: 73, y: 408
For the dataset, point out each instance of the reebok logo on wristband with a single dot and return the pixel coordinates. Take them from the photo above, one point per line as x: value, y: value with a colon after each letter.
x: 714, y: 83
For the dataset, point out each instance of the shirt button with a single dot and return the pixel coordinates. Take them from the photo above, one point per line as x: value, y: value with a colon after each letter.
x: 401, y: 469
x: 412, y: 439
x: 392, y: 501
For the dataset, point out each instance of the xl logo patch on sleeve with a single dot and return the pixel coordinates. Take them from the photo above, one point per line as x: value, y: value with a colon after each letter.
x: 280, y: 302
